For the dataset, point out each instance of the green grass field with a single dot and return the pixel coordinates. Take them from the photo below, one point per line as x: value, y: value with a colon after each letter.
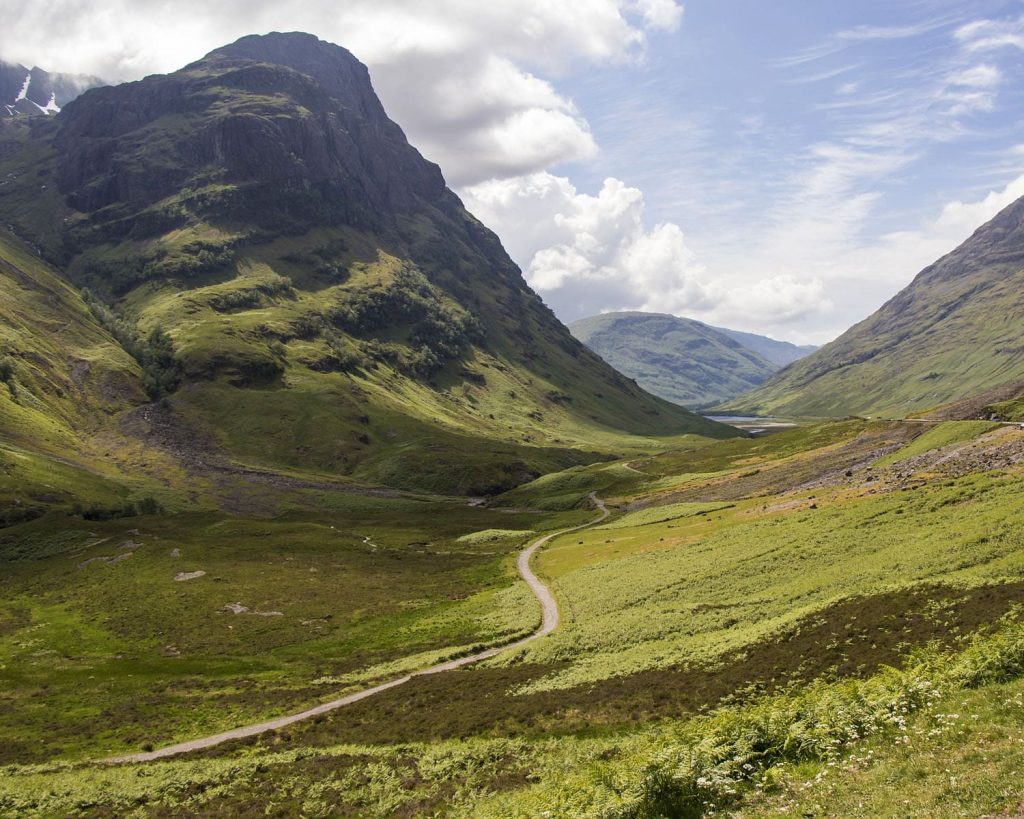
x: 687, y: 624
x: 102, y: 648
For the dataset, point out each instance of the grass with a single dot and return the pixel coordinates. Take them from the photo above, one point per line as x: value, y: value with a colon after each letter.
x: 939, y: 436
x: 825, y: 745
x: 489, y: 535
x: 962, y: 757
x: 1011, y: 410
x: 749, y: 572
x: 331, y: 600
x: 665, y: 594
x: 661, y: 514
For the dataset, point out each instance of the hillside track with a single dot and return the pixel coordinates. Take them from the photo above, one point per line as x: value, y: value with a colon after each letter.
x: 549, y: 622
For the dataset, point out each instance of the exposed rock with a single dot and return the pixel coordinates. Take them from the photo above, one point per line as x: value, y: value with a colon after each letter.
x: 182, y: 576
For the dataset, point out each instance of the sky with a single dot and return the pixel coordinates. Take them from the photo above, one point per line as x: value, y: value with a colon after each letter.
x: 782, y: 168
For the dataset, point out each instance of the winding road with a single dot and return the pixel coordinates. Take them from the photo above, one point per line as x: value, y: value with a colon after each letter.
x: 549, y: 622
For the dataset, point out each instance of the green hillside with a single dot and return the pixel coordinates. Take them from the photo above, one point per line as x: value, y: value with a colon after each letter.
x: 780, y: 353
x: 954, y: 332
x: 308, y: 292
x: 679, y: 359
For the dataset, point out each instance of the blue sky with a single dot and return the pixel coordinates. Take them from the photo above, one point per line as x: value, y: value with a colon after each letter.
x: 817, y: 141
x: 781, y: 167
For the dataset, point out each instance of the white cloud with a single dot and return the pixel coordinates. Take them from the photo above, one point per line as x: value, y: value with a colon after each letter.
x: 988, y: 35
x: 460, y: 76
x: 588, y: 254
x: 859, y: 272
x: 977, y: 76
x: 959, y: 219
x: 660, y: 14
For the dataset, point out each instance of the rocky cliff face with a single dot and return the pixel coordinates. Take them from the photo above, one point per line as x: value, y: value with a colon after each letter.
x: 285, y: 116
x: 34, y: 92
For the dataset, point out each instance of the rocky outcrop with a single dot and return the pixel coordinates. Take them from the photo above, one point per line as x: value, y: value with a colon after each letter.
x: 282, y: 116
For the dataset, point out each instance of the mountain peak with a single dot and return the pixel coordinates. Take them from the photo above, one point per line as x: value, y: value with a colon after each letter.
x: 308, y: 264
x: 335, y: 68
x: 290, y: 123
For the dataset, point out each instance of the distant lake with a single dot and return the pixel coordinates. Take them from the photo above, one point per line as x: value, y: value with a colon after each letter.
x: 752, y: 423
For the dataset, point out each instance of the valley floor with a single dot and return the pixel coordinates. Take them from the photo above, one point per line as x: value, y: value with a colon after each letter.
x: 729, y: 642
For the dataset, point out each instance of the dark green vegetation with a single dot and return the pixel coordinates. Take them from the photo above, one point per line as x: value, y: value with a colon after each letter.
x: 299, y: 285
x: 953, y: 333
x: 678, y: 359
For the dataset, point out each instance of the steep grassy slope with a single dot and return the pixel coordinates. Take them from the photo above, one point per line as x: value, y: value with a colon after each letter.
x: 955, y: 331
x: 65, y: 380
x: 322, y: 300
x: 678, y: 359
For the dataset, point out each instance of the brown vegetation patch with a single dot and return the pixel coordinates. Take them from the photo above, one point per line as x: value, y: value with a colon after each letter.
x: 820, y: 468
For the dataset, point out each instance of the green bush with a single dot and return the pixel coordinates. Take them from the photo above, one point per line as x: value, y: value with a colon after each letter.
x: 161, y: 371
x: 7, y: 372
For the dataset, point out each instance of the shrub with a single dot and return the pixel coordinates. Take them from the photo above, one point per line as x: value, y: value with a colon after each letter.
x: 437, y: 329
x: 161, y: 371
x: 150, y: 506
x: 98, y: 513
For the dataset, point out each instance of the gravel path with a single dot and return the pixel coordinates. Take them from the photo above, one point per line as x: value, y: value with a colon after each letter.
x: 549, y: 623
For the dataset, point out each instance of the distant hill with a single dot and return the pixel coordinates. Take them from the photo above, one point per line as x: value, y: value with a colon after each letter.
x: 297, y: 283
x: 956, y: 331
x: 682, y: 360
x: 780, y: 353
x: 33, y: 91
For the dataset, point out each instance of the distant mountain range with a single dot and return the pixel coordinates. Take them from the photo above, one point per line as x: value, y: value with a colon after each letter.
x: 779, y: 353
x: 957, y: 330
x: 33, y: 91
x: 683, y: 360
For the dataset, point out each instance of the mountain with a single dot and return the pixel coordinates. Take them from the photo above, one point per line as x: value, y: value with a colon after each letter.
x: 35, y: 91
x: 679, y: 359
x: 779, y: 353
x: 955, y: 331
x: 298, y: 287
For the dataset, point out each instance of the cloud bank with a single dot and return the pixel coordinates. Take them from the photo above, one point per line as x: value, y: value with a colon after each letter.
x: 588, y: 254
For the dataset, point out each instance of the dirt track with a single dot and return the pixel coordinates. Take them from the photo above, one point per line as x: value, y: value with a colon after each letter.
x: 549, y: 622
